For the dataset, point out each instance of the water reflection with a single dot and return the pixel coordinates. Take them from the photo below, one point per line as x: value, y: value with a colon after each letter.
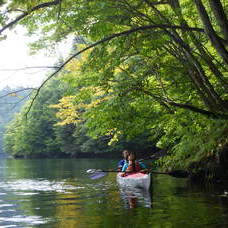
x: 58, y: 193
x: 135, y: 197
x: 36, y: 192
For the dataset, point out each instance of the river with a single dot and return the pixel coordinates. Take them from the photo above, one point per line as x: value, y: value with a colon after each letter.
x: 59, y: 193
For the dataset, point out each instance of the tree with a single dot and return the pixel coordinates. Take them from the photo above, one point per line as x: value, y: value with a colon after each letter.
x: 150, y: 66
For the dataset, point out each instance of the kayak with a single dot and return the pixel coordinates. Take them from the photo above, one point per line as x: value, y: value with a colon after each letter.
x: 134, y: 180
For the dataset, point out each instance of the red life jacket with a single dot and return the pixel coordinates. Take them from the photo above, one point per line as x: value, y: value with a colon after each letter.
x: 131, y: 168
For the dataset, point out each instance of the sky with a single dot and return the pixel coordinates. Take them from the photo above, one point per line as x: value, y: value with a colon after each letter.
x: 14, y: 54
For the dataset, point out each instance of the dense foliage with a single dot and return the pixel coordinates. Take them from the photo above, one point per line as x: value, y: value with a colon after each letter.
x: 10, y: 103
x: 39, y: 136
x: 155, y: 67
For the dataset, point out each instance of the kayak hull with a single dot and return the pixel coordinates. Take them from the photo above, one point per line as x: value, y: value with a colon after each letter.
x: 135, y: 180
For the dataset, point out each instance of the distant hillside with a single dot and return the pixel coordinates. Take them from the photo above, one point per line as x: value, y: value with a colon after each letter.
x: 11, y: 101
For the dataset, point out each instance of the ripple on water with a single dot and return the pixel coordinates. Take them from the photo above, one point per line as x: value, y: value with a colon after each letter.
x: 6, y: 205
x: 36, y: 185
x: 26, y: 193
x: 6, y: 226
x: 31, y: 220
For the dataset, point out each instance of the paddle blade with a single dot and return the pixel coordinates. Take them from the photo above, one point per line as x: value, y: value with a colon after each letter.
x: 97, y: 175
x: 179, y: 174
x: 90, y: 171
x: 93, y: 170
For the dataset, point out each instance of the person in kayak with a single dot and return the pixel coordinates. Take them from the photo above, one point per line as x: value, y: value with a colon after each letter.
x: 121, y: 163
x: 133, y: 165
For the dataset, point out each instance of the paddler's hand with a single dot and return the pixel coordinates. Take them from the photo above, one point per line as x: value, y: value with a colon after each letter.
x: 123, y: 174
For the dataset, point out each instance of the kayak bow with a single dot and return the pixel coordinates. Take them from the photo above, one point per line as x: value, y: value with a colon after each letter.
x: 135, y: 180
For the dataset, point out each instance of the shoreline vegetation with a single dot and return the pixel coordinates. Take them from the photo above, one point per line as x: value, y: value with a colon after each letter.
x: 141, y: 75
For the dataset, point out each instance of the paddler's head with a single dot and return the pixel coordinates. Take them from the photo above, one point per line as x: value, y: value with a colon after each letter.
x: 126, y: 154
x: 132, y: 156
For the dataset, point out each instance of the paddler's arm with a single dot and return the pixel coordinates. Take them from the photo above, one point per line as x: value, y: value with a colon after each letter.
x: 124, y: 169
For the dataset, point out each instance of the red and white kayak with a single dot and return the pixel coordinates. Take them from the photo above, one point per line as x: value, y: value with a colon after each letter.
x: 134, y: 180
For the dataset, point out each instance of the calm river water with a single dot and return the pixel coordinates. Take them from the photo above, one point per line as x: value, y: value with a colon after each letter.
x: 58, y: 193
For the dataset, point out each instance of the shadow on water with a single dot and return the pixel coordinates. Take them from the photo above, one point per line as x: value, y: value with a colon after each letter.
x: 58, y: 193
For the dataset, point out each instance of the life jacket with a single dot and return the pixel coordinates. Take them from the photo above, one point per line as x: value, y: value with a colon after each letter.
x: 131, y: 168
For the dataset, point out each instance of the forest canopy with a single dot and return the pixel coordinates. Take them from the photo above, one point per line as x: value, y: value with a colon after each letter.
x: 154, y: 67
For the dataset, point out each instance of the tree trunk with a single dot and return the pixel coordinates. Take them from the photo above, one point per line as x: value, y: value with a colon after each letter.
x: 220, y: 16
x: 214, y: 102
x: 214, y: 38
x: 204, y: 55
x: 200, y: 78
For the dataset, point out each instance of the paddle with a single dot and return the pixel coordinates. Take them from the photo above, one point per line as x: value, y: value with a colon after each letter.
x: 98, y: 173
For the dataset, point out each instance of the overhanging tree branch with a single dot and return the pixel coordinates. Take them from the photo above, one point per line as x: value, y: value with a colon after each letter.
x: 24, y: 98
x: 192, y: 108
x: 16, y: 91
x: 115, y: 35
x: 200, y: 80
x: 25, y: 14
